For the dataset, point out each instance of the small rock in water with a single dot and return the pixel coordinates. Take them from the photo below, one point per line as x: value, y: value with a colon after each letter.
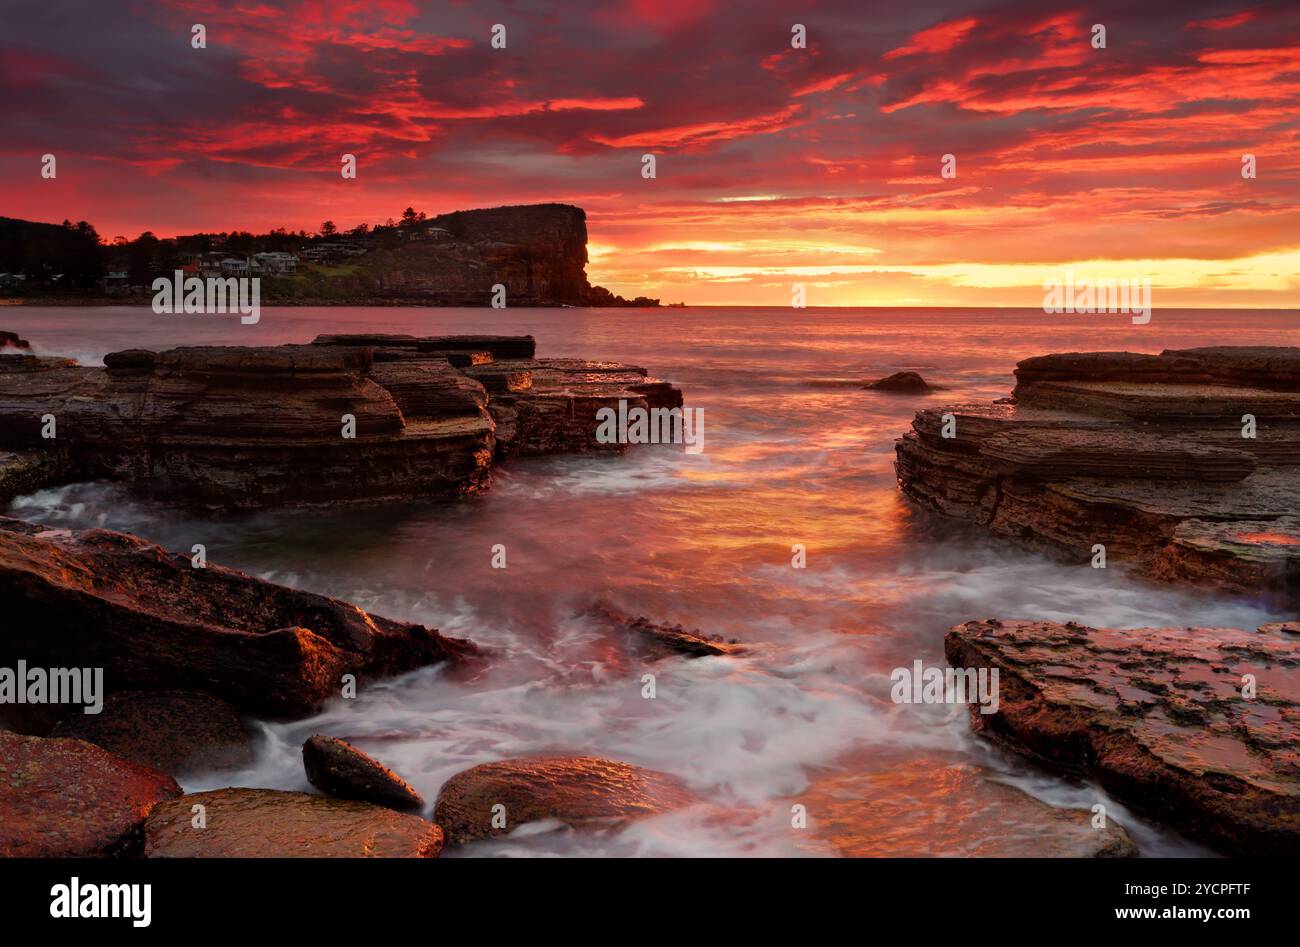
x: 660, y: 641
x: 580, y: 791
x: 904, y: 382
x: 339, y: 769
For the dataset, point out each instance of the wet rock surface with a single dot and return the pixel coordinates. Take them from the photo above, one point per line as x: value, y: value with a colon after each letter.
x: 579, y: 791
x: 654, y: 640
x: 67, y: 798
x: 934, y: 809
x: 349, y: 418
x: 174, y: 732
x: 339, y: 769
x: 1144, y: 454
x: 267, y: 823
x: 96, y: 598
x: 1158, y: 716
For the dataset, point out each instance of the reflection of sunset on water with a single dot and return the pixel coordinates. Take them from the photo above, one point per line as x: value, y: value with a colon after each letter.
x: 797, y: 453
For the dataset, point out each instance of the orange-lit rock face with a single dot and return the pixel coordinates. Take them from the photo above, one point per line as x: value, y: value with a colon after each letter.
x: 69, y: 798
x: 582, y: 792
x: 266, y: 823
x: 1183, y: 465
x: 1163, y: 717
x: 151, y: 620
x: 350, y: 418
x: 1270, y: 539
x: 878, y: 810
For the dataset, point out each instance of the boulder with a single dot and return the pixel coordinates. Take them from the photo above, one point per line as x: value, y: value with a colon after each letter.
x: 1158, y: 717
x: 10, y: 340
x: 67, y: 798
x: 98, y: 598
x: 656, y: 640
x: 268, y: 823
x: 339, y: 769
x: 176, y: 732
x: 579, y: 791
x: 901, y: 382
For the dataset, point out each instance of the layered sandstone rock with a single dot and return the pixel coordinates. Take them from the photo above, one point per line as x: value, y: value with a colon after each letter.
x: 350, y: 418
x: 267, y: 823
x: 97, y: 598
x: 66, y: 798
x: 538, y: 252
x: 538, y: 406
x: 1161, y: 717
x: 578, y: 791
x: 1143, y: 454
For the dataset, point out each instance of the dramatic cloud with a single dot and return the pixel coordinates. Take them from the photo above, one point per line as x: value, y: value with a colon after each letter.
x: 775, y: 164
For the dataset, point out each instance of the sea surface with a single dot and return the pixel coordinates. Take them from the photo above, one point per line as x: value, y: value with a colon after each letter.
x: 794, y: 453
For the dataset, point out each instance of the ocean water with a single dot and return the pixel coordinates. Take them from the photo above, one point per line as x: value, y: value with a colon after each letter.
x: 794, y: 453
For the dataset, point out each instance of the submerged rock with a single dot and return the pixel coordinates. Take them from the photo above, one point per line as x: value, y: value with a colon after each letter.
x: 175, y: 732
x: 902, y: 382
x: 1157, y: 716
x: 925, y: 808
x: 1143, y: 454
x: 96, y: 598
x: 339, y: 769
x: 656, y: 641
x: 67, y: 798
x: 578, y: 791
x: 268, y: 823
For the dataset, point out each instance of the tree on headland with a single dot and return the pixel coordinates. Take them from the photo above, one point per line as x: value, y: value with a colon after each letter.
x: 328, y: 229
x: 411, y: 217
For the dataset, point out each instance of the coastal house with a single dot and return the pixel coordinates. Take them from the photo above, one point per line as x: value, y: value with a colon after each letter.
x: 275, y: 263
x: 117, y: 283
x: 232, y: 266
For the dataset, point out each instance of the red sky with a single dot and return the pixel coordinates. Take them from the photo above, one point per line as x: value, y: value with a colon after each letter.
x: 775, y: 165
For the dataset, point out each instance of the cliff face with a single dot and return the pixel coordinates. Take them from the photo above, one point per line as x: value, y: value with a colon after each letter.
x: 537, y: 251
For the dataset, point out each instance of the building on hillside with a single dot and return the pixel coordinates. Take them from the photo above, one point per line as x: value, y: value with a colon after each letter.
x: 276, y: 262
